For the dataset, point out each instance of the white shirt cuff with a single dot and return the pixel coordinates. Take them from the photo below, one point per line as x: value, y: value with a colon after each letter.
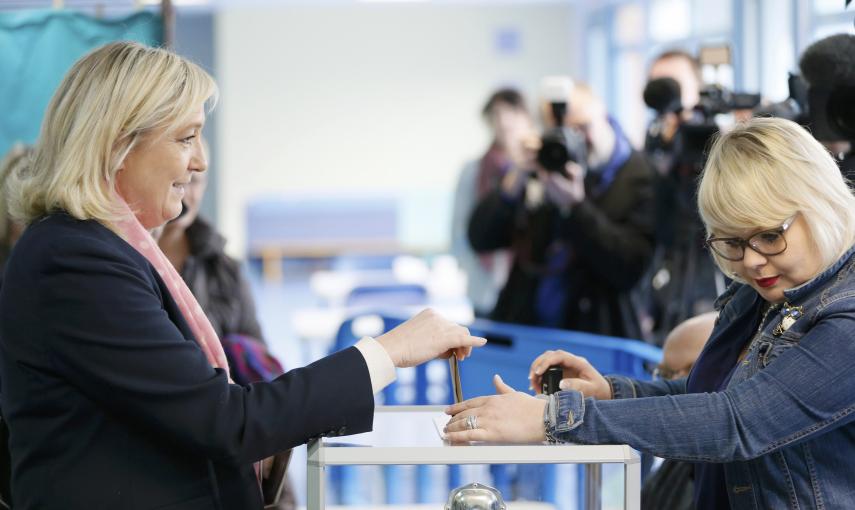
x: 380, y: 366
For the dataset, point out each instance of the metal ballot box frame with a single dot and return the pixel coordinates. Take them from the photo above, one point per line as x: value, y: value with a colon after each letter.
x: 406, y: 435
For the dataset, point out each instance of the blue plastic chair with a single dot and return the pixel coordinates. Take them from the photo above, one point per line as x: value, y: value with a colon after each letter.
x: 509, y: 352
x: 399, y: 294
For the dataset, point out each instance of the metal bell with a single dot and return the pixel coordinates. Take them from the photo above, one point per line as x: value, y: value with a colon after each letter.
x: 475, y: 496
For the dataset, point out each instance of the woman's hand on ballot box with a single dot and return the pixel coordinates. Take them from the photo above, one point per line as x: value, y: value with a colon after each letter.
x: 508, y: 417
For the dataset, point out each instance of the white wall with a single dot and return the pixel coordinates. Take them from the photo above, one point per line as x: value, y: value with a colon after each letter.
x: 371, y: 98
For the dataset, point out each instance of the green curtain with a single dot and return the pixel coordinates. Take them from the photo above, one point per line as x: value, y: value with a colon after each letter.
x: 37, y: 47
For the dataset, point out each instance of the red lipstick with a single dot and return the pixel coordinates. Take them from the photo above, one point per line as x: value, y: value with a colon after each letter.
x: 767, y: 282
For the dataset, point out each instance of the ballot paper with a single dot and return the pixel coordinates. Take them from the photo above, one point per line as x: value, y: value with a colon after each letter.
x: 440, y: 422
x: 454, y: 368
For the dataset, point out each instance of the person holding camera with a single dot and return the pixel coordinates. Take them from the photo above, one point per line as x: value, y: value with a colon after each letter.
x: 766, y: 411
x: 685, y: 70
x: 510, y: 125
x: 580, y: 231
x: 683, y: 281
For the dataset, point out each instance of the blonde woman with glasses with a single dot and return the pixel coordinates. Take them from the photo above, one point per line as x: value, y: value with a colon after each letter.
x: 767, y: 411
x: 115, y: 386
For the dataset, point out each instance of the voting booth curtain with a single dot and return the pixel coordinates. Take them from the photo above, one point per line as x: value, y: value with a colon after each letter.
x: 37, y: 47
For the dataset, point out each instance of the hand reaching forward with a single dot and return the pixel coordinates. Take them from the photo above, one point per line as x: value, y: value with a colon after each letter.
x: 425, y: 337
x: 578, y: 374
x: 510, y: 416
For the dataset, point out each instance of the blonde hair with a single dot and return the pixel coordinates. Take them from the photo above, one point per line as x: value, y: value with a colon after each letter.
x: 109, y: 99
x: 766, y: 170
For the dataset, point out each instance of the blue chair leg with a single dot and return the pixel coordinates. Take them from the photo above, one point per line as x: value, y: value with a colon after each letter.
x: 392, y: 476
x: 501, y: 480
x: 351, y: 488
x: 536, y: 482
x: 453, y: 477
x: 548, y: 484
x: 528, y: 481
x: 423, y: 484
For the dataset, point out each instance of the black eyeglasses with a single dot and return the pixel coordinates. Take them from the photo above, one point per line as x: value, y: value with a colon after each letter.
x: 767, y: 242
x: 662, y: 372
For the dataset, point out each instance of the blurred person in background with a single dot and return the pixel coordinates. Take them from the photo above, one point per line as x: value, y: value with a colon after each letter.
x: 581, y: 237
x: 14, y: 161
x: 109, y: 367
x: 511, y: 127
x: 197, y: 251
x: 683, y: 281
x: 671, y: 485
x: 685, y: 69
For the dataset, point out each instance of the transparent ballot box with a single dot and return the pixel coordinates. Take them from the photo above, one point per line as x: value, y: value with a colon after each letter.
x: 408, y: 436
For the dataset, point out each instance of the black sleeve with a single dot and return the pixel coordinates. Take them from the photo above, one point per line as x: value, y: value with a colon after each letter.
x: 492, y: 221
x: 109, y: 335
x: 619, y: 251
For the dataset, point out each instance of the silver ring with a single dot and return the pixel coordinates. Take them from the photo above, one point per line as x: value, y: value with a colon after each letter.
x: 471, y: 422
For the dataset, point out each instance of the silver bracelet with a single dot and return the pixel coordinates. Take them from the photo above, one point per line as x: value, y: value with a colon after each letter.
x: 548, y: 421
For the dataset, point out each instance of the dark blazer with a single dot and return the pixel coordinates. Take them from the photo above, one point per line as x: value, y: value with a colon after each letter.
x: 112, y: 405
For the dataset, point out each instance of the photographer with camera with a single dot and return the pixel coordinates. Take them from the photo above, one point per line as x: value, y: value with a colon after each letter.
x: 683, y: 281
x: 673, y: 90
x: 577, y: 214
x: 828, y: 67
x: 511, y: 125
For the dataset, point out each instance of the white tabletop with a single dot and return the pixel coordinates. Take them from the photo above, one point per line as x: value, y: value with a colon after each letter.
x: 407, y: 435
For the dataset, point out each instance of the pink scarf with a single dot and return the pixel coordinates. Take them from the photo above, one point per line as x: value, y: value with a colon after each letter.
x: 138, y: 237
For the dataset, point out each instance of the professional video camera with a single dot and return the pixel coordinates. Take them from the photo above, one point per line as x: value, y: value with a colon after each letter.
x: 688, y: 144
x: 560, y: 144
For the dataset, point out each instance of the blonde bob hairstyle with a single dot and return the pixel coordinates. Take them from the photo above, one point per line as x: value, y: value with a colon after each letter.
x: 766, y: 170
x: 108, y: 101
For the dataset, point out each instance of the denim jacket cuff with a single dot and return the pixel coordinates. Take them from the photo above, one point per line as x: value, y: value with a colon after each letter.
x: 566, y: 411
x: 621, y: 387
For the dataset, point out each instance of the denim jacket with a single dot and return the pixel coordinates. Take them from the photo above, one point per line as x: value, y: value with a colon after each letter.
x: 783, y: 425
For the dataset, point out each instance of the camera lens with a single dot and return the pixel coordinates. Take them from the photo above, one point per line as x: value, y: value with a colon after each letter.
x: 553, y: 154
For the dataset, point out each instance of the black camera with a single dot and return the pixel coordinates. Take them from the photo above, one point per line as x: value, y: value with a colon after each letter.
x: 689, y: 144
x: 560, y: 145
x: 716, y: 100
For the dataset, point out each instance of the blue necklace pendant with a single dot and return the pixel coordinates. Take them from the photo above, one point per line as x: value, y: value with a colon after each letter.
x: 790, y: 315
